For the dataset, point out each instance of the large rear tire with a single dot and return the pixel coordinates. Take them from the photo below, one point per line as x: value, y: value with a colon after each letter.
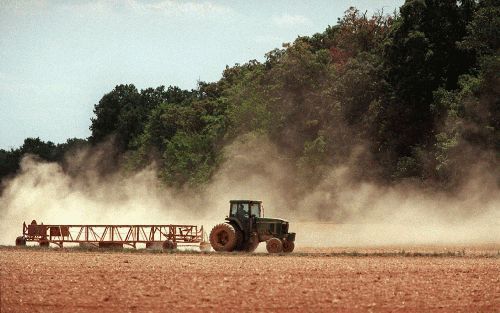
x: 274, y: 245
x: 223, y: 237
x: 288, y: 246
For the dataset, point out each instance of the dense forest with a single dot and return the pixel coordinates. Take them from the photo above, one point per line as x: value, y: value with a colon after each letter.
x: 418, y: 90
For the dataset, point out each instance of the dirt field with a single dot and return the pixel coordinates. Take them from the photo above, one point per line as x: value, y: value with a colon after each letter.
x: 33, y: 280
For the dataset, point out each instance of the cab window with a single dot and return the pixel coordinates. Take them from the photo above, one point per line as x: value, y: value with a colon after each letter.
x: 255, y: 209
x: 234, y: 208
x: 243, y: 209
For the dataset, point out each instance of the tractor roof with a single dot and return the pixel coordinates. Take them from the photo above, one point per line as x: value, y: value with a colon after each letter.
x: 235, y: 201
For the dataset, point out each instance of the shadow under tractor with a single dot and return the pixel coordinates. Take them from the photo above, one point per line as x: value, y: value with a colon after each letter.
x: 246, y: 227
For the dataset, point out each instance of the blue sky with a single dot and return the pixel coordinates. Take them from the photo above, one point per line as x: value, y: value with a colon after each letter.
x: 58, y: 58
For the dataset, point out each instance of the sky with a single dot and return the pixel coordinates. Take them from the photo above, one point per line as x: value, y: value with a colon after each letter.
x: 58, y: 58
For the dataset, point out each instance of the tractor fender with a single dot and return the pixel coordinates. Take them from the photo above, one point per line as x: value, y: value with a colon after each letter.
x: 235, y: 222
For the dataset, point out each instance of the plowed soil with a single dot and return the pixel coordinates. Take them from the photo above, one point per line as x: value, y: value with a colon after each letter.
x: 33, y: 280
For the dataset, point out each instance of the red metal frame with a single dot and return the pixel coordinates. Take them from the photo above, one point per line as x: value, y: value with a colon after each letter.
x: 114, y: 234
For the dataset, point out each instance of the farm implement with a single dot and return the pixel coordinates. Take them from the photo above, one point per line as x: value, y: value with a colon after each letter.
x: 115, y: 236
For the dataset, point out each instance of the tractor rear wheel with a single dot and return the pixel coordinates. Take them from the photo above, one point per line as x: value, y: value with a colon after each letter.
x: 274, y: 245
x: 288, y: 246
x: 223, y: 237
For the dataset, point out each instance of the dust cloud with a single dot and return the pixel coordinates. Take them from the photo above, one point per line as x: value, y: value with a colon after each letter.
x: 337, y: 212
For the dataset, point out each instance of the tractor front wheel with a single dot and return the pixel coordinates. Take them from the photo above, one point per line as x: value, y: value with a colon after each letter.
x: 223, y: 237
x: 274, y: 245
x: 288, y: 246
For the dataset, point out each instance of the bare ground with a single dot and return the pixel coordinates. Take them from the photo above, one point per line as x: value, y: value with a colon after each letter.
x: 34, y: 280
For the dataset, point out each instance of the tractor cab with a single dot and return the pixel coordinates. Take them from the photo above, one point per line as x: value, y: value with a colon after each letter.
x: 243, y: 213
x: 245, y: 209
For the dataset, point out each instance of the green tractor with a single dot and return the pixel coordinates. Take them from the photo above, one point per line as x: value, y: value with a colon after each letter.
x: 246, y: 227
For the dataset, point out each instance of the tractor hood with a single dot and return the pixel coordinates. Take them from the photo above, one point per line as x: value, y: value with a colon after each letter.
x: 271, y: 220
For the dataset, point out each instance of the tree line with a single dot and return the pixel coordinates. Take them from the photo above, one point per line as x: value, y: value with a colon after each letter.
x: 417, y: 90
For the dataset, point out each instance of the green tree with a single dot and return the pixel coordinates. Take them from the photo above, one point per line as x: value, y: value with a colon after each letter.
x: 469, y: 117
x: 421, y: 56
x: 9, y: 163
x: 184, y: 135
x: 45, y: 150
x: 124, y: 112
x: 117, y: 113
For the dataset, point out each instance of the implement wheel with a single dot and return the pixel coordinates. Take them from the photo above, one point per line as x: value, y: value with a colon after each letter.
x: 274, y: 245
x: 288, y: 246
x: 20, y: 241
x: 43, y: 243
x: 223, y: 237
x: 169, y: 245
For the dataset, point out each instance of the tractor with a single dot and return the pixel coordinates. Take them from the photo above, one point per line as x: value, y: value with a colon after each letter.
x: 246, y: 227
